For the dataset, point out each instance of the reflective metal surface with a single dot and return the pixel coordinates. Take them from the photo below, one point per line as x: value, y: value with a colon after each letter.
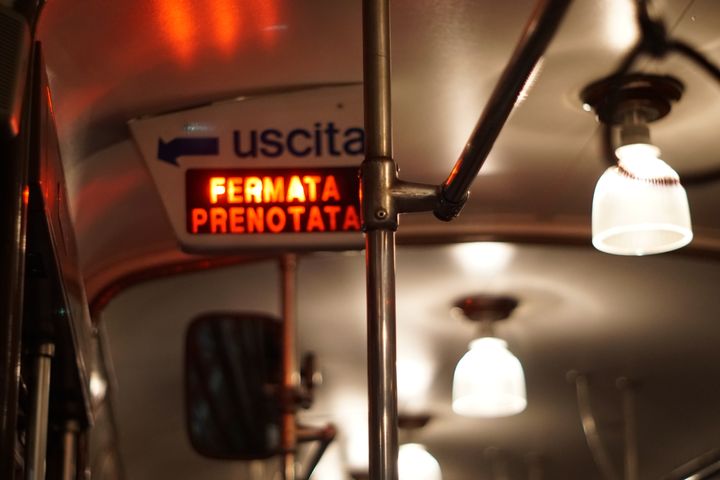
x: 39, y: 411
x: 379, y: 222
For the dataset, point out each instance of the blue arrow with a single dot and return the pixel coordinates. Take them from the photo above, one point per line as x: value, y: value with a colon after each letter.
x: 181, y: 147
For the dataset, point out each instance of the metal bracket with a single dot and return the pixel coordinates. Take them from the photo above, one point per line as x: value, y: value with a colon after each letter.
x: 446, y: 209
x: 385, y: 196
x: 377, y: 178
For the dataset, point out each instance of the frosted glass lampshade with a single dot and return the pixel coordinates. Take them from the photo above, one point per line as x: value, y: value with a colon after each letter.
x: 489, y: 381
x: 639, y: 206
x: 416, y: 463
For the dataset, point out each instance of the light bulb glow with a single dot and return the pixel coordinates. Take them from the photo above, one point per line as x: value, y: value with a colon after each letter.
x: 489, y: 381
x: 416, y: 463
x: 98, y: 386
x: 640, y: 207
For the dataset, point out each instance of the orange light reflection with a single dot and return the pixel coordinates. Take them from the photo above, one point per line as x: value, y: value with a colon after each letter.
x: 175, y: 17
x: 222, y: 25
x: 226, y: 25
x: 49, y: 101
x: 266, y: 12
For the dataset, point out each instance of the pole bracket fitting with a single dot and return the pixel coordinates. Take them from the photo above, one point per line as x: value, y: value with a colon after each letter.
x: 377, y: 178
x: 445, y: 209
x: 384, y: 196
x: 415, y: 197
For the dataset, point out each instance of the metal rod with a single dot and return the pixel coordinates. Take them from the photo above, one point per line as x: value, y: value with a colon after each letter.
x: 70, y: 450
x: 376, y: 78
x: 379, y: 172
x: 632, y: 468
x: 589, y: 425
x: 538, y: 33
x: 39, y: 409
x: 700, y: 467
x: 288, y: 268
x: 324, y: 436
x: 382, y: 382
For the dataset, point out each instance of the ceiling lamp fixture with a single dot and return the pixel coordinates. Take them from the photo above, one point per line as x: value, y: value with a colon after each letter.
x: 414, y: 461
x: 639, y: 206
x: 489, y: 380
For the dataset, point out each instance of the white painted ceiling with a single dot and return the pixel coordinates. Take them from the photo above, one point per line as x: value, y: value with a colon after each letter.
x: 649, y: 318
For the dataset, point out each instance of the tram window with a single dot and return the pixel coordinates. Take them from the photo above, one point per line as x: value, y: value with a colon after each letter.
x: 232, y: 376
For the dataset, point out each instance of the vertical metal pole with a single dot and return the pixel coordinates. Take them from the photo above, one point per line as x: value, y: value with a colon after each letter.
x: 382, y: 408
x: 631, y: 453
x: 70, y: 450
x: 380, y: 245
x: 39, y: 409
x: 376, y: 78
x: 288, y: 268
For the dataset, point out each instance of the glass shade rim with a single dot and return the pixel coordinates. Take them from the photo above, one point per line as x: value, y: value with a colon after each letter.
x: 599, y: 239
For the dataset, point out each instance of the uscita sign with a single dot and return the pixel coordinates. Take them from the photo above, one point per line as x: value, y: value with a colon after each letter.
x: 321, y: 139
x: 265, y: 173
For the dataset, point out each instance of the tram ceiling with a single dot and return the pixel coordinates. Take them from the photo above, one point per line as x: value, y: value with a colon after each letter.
x: 537, y: 183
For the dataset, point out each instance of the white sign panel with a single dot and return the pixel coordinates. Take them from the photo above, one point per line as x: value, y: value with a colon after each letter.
x: 266, y: 172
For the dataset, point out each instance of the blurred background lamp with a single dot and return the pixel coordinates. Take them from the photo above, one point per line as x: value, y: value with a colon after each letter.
x: 414, y: 461
x: 639, y: 205
x: 489, y: 380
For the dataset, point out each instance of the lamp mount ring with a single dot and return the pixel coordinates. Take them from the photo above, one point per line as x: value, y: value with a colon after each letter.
x: 613, y: 97
x: 487, y: 308
x: 408, y: 421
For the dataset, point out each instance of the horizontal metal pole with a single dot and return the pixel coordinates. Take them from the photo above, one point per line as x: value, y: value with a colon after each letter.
x: 414, y: 197
x: 537, y: 35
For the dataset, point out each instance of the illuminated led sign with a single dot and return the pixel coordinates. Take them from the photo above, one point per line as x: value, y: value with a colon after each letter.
x: 272, y: 201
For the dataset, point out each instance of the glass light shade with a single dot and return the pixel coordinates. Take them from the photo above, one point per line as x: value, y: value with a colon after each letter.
x: 640, y: 207
x: 489, y: 381
x: 416, y: 463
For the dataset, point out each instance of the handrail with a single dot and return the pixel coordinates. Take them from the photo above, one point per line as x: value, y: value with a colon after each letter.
x: 538, y: 33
